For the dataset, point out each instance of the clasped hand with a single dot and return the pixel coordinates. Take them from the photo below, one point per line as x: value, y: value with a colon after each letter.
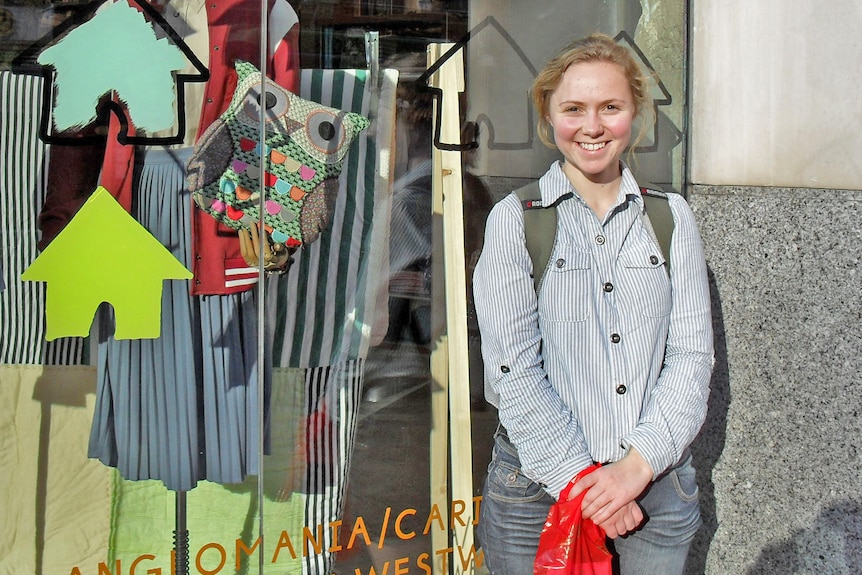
x: 611, y: 493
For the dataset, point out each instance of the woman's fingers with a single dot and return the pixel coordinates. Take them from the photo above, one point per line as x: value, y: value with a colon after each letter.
x: 624, y: 521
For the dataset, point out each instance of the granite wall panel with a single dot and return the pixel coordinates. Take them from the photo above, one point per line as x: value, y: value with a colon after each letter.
x: 778, y: 458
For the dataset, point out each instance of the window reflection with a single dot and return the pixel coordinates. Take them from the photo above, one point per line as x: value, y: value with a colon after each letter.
x: 381, y: 396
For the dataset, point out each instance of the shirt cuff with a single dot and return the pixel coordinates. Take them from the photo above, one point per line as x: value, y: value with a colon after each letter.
x: 652, y: 448
x: 555, y: 483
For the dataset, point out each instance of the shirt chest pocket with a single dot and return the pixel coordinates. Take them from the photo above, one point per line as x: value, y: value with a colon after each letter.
x: 565, y: 289
x: 645, y: 268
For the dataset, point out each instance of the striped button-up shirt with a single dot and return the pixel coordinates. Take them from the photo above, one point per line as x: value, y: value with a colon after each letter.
x: 612, y: 353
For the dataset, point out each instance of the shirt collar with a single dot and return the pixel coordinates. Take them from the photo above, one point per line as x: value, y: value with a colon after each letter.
x: 554, y: 184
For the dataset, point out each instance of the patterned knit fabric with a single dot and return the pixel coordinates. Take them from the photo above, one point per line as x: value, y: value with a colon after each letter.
x: 305, y: 143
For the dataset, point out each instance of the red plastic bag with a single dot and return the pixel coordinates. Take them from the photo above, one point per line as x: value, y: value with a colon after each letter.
x: 569, y: 544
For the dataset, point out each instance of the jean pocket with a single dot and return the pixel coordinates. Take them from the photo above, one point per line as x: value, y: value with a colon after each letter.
x: 507, y: 483
x: 685, y: 482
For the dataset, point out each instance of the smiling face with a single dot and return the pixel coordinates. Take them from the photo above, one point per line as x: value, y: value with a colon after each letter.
x: 591, y: 113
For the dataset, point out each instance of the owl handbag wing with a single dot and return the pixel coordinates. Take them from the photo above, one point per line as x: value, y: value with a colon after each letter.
x: 295, y: 166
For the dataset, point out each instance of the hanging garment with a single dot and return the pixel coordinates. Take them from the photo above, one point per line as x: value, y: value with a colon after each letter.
x: 181, y: 407
x: 22, y: 191
x: 323, y: 312
x: 323, y: 315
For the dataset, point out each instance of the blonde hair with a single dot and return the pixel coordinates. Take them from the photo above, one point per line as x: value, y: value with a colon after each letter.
x: 593, y: 48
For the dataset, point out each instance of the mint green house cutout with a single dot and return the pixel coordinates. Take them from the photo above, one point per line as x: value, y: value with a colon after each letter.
x: 117, y: 50
x: 104, y: 255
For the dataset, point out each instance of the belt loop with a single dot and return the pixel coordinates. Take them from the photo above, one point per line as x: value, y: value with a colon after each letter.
x: 501, y: 431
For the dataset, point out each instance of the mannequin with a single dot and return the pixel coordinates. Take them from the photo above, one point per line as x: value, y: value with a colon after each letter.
x: 182, y: 407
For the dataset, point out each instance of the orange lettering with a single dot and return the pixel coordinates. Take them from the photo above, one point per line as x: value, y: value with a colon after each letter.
x: 241, y: 548
x: 308, y: 537
x: 283, y: 541
x: 336, y: 528
x: 398, y: 531
x: 103, y: 569
x: 458, y: 508
x: 422, y: 563
x: 472, y: 556
x: 477, y: 501
x: 434, y: 514
x: 222, y: 559
x: 359, y: 528
x: 443, y: 553
x: 373, y: 571
x: 143, y: 558
x: 383, y: 529
x: 402, y: 566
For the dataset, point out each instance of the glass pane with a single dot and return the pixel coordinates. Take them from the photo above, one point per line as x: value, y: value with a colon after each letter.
x: 400, y: 500
x: 377, y: 432
x: 134, y: 330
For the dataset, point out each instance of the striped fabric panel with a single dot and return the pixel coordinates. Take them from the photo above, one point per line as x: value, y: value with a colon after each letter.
x: 320, y: 314
x: 332, y: 407
x: 23, y: 158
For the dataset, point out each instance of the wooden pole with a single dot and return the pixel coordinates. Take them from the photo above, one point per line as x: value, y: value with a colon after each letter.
x: 448, y: 196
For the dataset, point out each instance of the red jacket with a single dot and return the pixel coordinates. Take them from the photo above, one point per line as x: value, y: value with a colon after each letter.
x: 234, y: 33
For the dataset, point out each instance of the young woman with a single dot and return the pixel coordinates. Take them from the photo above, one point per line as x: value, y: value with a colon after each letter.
x: 610, y: 360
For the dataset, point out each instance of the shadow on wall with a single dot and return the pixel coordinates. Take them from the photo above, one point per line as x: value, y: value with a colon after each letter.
x: 832, y: 544
x: 708, y: 446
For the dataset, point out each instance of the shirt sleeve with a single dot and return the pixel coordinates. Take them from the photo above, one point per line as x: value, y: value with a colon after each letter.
x: 675, y: 409
x: 549, y: 439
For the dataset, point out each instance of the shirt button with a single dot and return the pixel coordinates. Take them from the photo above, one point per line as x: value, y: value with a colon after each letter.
x: 653, y: 260
x: 215, y: 48
x: 621, y: 389
x: 560, y: 263
x: 615, y: 338
x: 600, y: 239
x: 608, y: 287
x: 505, y: 368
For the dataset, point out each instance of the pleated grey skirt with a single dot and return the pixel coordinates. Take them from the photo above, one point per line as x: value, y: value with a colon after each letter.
x: 184, y: 406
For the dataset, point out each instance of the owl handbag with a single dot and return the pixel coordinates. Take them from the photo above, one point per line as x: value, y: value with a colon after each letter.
x: 303, y: 150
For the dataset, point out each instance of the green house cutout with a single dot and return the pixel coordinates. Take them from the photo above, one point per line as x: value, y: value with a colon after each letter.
x: 104, y: 255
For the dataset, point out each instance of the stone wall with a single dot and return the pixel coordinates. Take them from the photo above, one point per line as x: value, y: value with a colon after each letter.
x: 778, y: 459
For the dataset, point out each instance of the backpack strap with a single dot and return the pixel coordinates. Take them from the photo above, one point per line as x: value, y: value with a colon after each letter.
x: 540, y: 224
x: 658, y: 210
x: 540, y: 227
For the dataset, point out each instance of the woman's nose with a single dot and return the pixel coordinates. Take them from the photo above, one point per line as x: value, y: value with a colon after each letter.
x: 592, y: 125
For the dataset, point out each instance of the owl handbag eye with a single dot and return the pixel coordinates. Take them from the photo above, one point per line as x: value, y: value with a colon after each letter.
x: 276, y: 103
x: 271, y: 100
x: 325, y: 131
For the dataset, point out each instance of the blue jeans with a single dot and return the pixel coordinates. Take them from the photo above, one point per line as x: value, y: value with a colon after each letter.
x: 514, y: 509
